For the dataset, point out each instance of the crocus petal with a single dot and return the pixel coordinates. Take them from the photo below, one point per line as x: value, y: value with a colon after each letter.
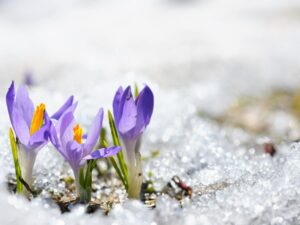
x: 20, y: 127
x: 103, y: 153
x: 66, y: 128
x: 53, y: 136
x: 128, y: 112
x: 16, y: 117
x: 145, y: 103
x: 64, y: 107
x: 24, y: 104
x: 58, y: 122
x: 93, y: 133
x: 74, y: 154
x: 40, y: 137
x: 10, y: 98
x: 116, y: 104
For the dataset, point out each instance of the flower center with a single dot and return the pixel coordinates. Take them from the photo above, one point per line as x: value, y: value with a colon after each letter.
x: 77, y: 133
x: 37, y: 119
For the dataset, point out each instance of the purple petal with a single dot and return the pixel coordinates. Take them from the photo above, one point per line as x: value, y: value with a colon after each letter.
x: 63, y: 108
x: 10, y: 98
x: 24, y: 104
x: 56, y: 142
x: 93, y: 133
x: 66, y: 128
x: 128, y: 112
x: 116, y: 104
x: 54, y: 138
x: 58, y: 122
x: 145, y: 104
x: 103, y: 153
x: 74, y: 154
x: 20, y: 127
x: 47, y: 118
x: 40, y: 137
x: 16, y: 117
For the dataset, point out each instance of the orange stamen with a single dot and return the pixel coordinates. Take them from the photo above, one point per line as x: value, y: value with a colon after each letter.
x: 37, y: 119
x: 77, y: 133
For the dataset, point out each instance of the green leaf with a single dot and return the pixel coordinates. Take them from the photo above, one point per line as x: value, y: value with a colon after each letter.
x: 14, y: 150
x: 112, y: 160
x: 116, y: 141
x: 113, y: 129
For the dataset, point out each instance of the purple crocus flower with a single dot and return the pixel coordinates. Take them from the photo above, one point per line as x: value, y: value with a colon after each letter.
x: 30, y: 126
x: 67, y: 137
x: 132, y: 117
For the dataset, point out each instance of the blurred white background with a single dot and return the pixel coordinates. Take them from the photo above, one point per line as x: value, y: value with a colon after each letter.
x: 237, y: 43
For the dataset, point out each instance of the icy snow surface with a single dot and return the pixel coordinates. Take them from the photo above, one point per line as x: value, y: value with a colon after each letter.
x: 194, y: 55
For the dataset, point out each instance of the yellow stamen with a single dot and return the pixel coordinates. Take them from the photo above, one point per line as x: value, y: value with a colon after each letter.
x: 78, y: 133
x: 37, y: 119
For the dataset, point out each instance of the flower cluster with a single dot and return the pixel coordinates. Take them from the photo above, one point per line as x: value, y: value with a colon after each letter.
x: 33, y: 128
